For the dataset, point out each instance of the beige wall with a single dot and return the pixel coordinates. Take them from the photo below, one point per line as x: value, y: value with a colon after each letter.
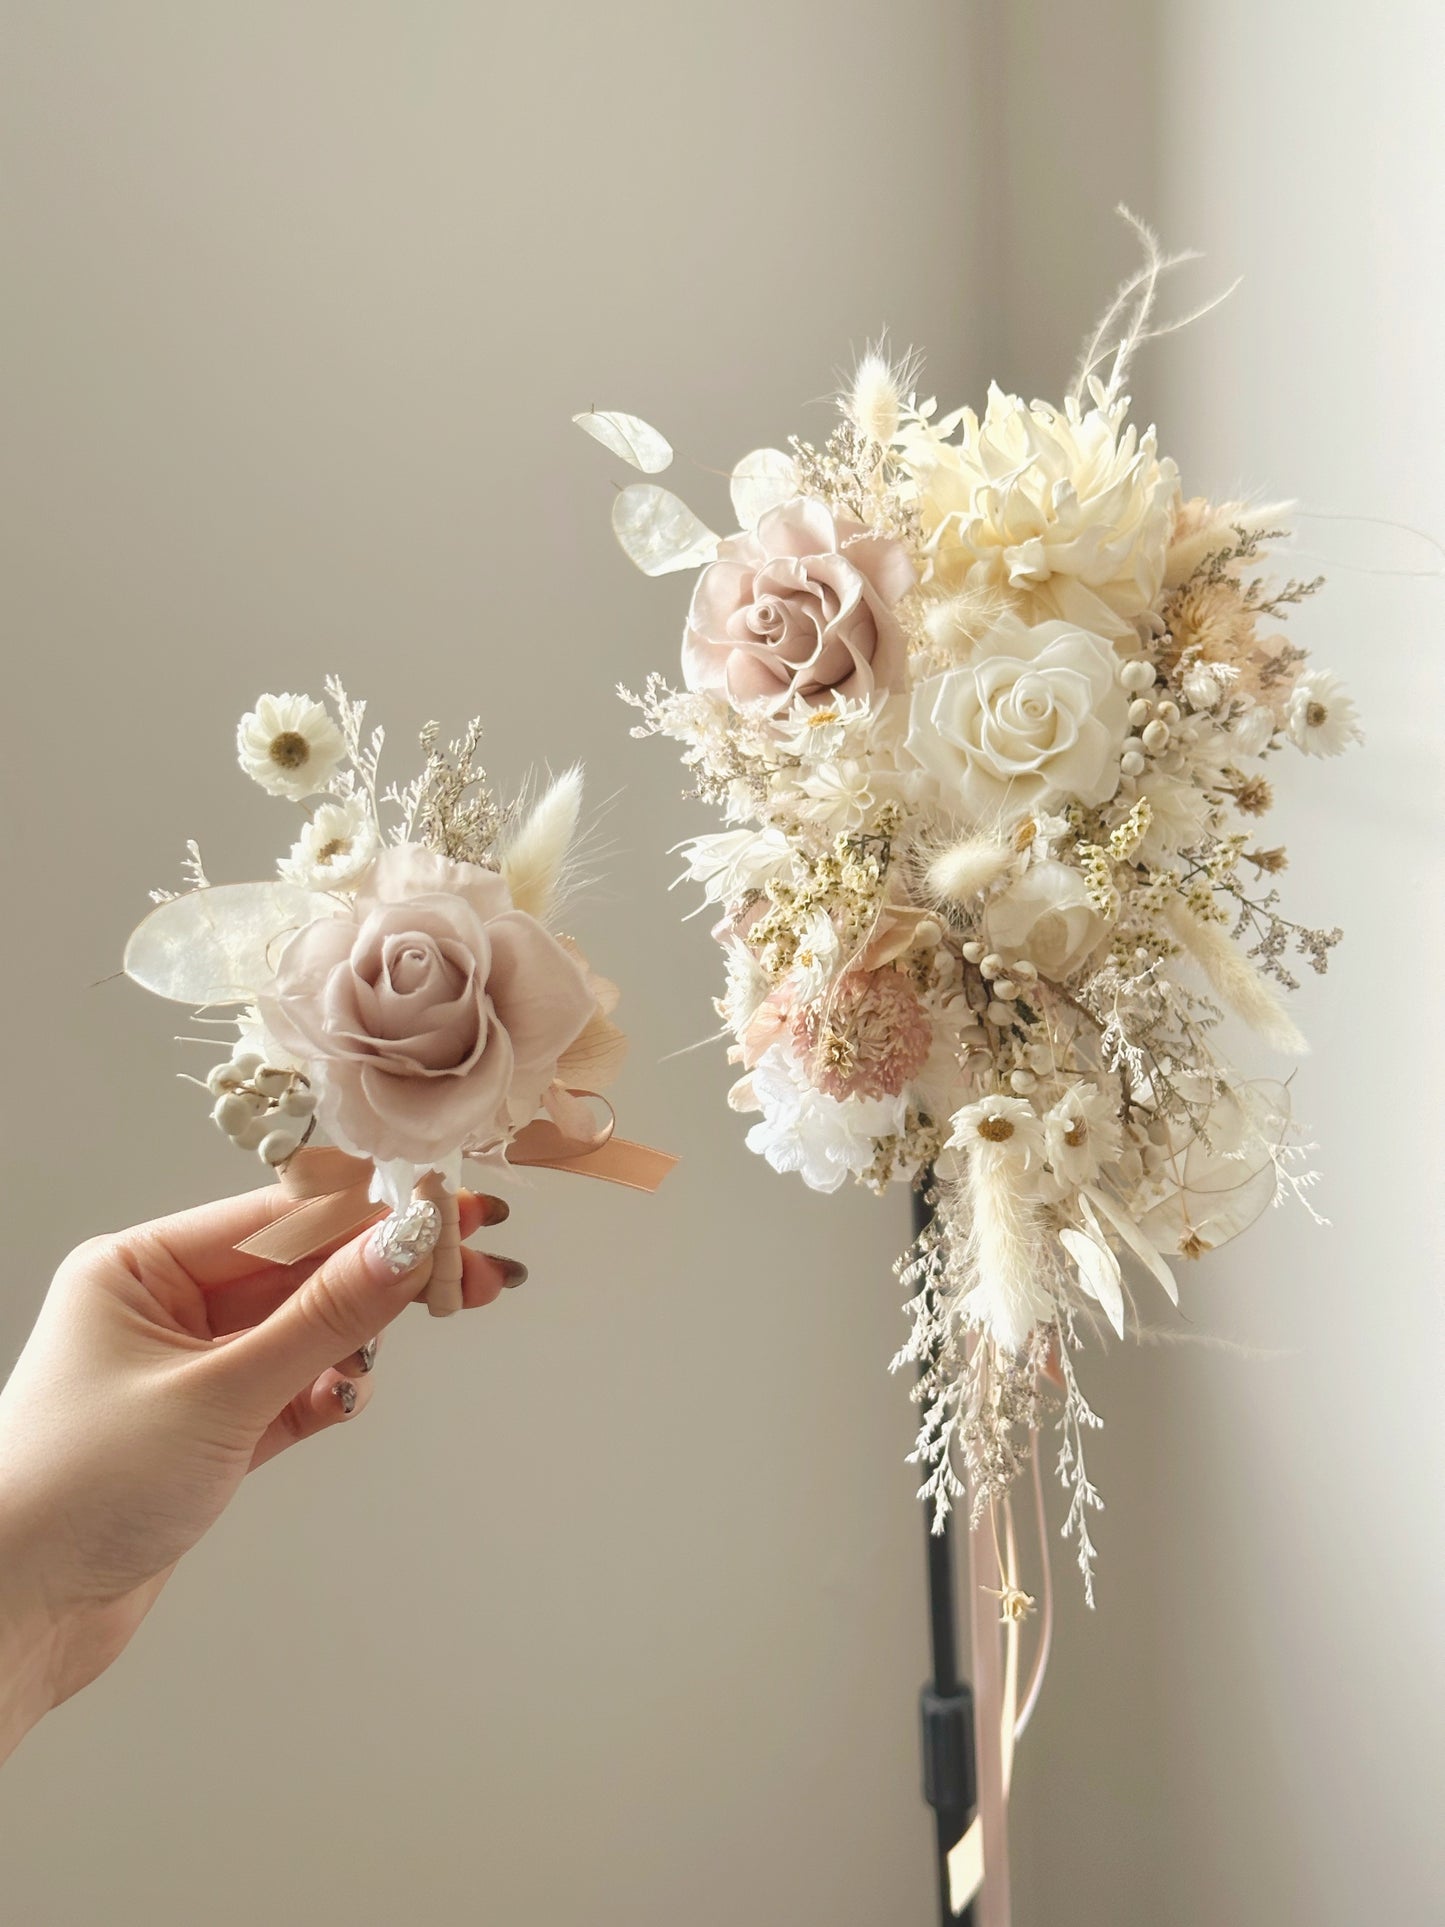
x: 1249, y: 1731
x: 612, y: 1610
x: 1303, y: 150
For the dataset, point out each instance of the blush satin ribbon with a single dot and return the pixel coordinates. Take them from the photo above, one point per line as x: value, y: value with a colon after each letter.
x: 332, y: 1193
x: 978, y: 1867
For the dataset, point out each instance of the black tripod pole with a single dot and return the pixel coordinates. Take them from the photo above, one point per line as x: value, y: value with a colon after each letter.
x: 946, y: 1703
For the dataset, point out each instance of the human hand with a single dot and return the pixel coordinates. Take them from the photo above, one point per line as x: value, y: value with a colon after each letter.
x: 165, y: 1366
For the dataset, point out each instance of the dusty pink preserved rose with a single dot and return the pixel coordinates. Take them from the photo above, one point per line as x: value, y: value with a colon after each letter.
x: 431, y: 1015
x: 803, y: 607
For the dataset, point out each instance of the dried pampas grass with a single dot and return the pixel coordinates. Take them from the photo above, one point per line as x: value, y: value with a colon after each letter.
x: 1005, y: 1240
x: 1230, y: 973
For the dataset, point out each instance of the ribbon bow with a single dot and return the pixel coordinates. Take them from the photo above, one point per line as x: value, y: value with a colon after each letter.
x: 332, y: 1191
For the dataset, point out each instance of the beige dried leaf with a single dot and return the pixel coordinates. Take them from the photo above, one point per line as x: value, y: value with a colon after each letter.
x: 635, y: 440
x: 219, y: 945
x: 659, y: 532
x: 760, y: 482
x: 592, y: 1060
x: 1099, y: 1273
x: 1141, y: 1246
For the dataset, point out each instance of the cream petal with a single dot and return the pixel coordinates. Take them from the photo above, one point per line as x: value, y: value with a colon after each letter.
x: 801, y: 527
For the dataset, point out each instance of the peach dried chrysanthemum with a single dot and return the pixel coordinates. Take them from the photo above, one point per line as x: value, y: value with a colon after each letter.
x: 867, y: 1038
x: 1212, y: 620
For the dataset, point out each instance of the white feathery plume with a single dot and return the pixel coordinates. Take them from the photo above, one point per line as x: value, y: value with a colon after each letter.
x: 961, y: 869
x: 876, y: 394
x: 954, y: 623
x: 1124, y: 326
x: 1007, y: 1297
x: 1231, y: 974
x: 1221, y: 531
x: 535, y: 859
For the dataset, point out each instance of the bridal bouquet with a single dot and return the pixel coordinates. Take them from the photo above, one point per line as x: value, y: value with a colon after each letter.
x: 991, y: 710
x: 401, y: 993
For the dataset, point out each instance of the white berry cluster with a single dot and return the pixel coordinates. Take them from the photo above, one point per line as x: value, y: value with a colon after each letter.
x: 260, y: 1106
x: 1151, y: 721
x: 1005, y: 981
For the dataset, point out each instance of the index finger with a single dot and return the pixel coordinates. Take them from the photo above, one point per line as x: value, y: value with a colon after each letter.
x: 202, y: 1240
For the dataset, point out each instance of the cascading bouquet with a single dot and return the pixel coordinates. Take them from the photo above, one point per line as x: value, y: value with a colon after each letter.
x: 989, y: 706
x: 404, y: 998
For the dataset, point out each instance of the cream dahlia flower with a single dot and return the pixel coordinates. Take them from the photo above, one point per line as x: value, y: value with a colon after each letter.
x: 289, y: 745
x: 1070, y: 514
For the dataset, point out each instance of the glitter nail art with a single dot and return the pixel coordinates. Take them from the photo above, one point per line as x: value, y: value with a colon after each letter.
x: 405, y: 1238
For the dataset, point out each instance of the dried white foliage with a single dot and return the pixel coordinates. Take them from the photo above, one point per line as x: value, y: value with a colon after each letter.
x: 216, y: 945
x: 635, y: 440
x: 761, y: 481
x: 658, y: 531
x: 1098, y: 1273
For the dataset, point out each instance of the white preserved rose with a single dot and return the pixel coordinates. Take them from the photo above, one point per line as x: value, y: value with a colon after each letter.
x: 1037, y: 714
x: 1047, y: 918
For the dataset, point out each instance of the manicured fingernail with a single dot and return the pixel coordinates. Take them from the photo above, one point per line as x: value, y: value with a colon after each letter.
x: 495, y: 1210
x: 400, y: 1242
x: 366, y: 1357
x: 514, y: 1273
x: 345, y: 1396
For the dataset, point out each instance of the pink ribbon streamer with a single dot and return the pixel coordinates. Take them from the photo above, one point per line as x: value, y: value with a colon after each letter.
x: 332, y: 1190
x: 978, y: 1866
x: 988, y: 1699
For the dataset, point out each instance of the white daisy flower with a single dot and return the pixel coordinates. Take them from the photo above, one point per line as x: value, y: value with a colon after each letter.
x: 1081, y: 1134
x: 335, y: 849
x: 816, y: 959
x: 1323, y: 720
x: 289, y: 745
x: 999, y: 1120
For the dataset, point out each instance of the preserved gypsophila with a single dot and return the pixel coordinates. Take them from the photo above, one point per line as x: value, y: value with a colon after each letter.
x: 992, y: 711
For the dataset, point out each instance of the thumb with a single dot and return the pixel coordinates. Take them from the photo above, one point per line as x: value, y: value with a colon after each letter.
x: 345, y: 1302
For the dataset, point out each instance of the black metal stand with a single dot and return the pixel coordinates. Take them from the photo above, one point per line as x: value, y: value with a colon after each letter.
x: 946, y: 1703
